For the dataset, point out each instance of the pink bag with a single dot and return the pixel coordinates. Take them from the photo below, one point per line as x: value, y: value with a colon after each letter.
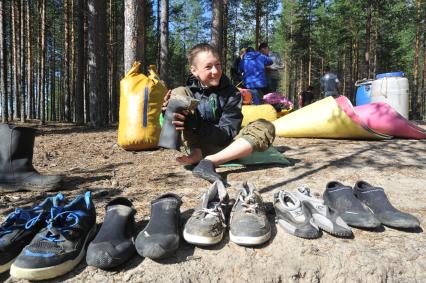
x: 274, y: 98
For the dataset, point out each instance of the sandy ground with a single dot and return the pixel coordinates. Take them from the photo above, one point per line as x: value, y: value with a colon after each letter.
x: 91, y: 160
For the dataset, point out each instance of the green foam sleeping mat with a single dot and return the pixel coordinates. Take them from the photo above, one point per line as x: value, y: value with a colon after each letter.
x: 270, y: 156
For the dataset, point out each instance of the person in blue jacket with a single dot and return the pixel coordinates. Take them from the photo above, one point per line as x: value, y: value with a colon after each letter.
x: 254, y: 73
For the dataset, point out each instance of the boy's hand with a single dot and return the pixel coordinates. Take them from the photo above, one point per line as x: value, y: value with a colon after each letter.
x: 179, y: 120
x: 166, y: 100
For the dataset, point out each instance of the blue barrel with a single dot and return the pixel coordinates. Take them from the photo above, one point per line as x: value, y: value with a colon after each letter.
x: 363, y: 94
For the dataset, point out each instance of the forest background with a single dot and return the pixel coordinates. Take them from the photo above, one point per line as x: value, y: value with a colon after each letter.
x: 62, y: 60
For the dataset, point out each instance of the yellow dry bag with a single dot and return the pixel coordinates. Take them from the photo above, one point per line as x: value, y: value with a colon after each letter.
x: 141, y: 98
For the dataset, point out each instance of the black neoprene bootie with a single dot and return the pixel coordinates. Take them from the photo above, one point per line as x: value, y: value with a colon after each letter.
x: 16, y: 162
x: 179, y: 101
x: 160, y: 238
x: 376, y: 199
x: 206, y: 170
x: 342, y: 199
x: 114, y: 244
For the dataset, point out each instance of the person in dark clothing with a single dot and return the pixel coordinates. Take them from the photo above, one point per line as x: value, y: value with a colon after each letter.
x: 212, y: 132
x: 236, y: 72
x: 306, y: 97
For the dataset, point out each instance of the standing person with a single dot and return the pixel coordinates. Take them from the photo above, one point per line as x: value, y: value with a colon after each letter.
x: 254, y: 74
x: 329, y: 83
x: 306, y: 97
x: 272, y: 71
x: 211, y: 134
x: 236, y: 72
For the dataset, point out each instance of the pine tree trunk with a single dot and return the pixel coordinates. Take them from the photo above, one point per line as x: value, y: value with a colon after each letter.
x: 132, y: 33
x: 87, y: 68
x: 79, y: 87
x: 3, y: 64
x: 113, y: 113
x: 92, y: 62
x: 13, y: 110
x: 66, y: 79
x: 30, y: 81
x: 73, y: 62
x: 217, y: 25
x: 22, y: 63
x: 423, y: 101
x: 97, y: 58
x: 415, y: 91
x: 42, y: 64
x: 158, y: 39
x: 368, y: 40
x: 53, y: 78
x: 143, y: 34
x: 101, y: 57
x: 257, y: 18
x: 164, y: 40
x: 225, y: 35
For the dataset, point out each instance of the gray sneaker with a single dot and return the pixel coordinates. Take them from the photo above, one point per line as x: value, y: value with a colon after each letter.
x: 293, y: 216
x: 207, y: 224
x: 325, y: 217
x: 249, y: 225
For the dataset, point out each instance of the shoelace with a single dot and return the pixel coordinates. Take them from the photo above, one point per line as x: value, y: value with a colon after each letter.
x: 216, y: 212
x: 55, y: 232
x: 249, y: 203
x: 8, y: 226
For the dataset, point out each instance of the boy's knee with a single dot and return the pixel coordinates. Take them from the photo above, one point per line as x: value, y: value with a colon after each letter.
x: 260, y: 134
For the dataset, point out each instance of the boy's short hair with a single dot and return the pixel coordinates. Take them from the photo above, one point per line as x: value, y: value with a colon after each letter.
x: 202, y: 47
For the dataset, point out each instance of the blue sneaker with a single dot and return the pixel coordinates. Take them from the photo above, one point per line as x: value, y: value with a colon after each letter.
x: 20, y: 227
x: 59, y: 247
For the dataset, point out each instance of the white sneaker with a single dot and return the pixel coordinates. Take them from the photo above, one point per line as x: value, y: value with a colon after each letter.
x: 325, y: 217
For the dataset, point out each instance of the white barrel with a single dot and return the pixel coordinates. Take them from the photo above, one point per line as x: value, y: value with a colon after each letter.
x: 393, y: 90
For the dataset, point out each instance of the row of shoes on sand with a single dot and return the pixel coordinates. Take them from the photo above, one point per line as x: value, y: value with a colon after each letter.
x: 363, y: 206
x: 50, y: 239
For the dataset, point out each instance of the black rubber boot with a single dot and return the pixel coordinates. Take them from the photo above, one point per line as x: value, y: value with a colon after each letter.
x: 376, y: 199
x: 114, y: 244
x: 206, y: 170
x: 16, y: 162
x: 160, y: 238
x: 179, y: 101
x: 342, y: 199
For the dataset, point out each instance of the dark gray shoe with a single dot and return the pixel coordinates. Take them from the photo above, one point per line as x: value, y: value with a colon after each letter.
x: 342, y: 199
x: 160, y: 238
x: 376, y: 199
x: 293, y: 216
x: 114, y: 244
x: 324, y: 217
x: 249, y: 225
x: 206, y: 170
x: 207, y: 224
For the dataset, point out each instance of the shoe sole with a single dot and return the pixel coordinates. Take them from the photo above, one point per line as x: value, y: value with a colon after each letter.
x: 249, y: 241
x: 52, y: 271
x: 325, y: 224
x: 4, y: 188
x: 6, y: 266
x: 289, y: 228
x: 201, y: 240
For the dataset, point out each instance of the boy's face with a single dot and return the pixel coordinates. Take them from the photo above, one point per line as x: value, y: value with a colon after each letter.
x: 207, y: 68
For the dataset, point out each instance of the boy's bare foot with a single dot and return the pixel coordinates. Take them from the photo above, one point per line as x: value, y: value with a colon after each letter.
x: 190, y: 159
